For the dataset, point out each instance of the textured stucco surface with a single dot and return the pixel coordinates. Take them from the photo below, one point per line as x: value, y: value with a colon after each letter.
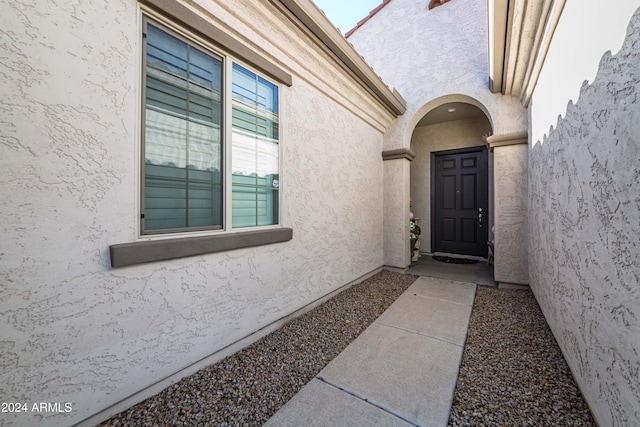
x: 396, y: 213
x: 439, y: 137
x: 510, y: 192
x: 584, y: 246
x: 428, y: 54
x: 433, y: 57
x: 75, y: 330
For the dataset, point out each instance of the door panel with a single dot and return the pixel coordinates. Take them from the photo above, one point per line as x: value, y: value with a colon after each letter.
x: 459, y: 189
x: 469, y: 162
x: 468, y: 197
x: 448, y: 229
x: 469, y: 230
x: 448, y: 192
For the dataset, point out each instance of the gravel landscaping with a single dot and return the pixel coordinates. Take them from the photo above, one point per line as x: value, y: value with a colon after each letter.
x: 512, y: 372
x: 247, y: 388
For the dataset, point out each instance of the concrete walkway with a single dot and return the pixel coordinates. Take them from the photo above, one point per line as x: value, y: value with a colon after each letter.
x: 480, y: 273
x: 401, y: 371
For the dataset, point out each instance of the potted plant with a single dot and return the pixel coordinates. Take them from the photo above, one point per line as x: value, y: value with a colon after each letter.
x: 414, y: 232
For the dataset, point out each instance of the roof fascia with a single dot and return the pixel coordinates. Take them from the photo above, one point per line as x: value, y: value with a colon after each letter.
x: 498, y: 38
x: 520, y: 33
x: 314, y: 22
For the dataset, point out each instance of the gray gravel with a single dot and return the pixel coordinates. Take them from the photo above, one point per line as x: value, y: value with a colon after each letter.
x: 512, y: 372
x: 247, y: 388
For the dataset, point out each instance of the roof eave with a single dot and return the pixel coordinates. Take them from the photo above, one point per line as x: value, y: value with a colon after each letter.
x: 316, y: 22
x: 367, y: 18
x: 519, y: 42
x: 498, y: 38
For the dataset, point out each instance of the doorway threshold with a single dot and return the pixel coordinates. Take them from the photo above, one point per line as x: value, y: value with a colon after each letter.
x: 480, y: 273
x: 445, y: 254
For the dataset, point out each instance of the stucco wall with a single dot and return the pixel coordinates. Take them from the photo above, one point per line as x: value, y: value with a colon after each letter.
x: 510, y: 237
x: 72, y: 329
x: 584, y: 199
x: 438, y: 137
x: 428, y: 54
x: 432, y: 57
x: 396, y: 212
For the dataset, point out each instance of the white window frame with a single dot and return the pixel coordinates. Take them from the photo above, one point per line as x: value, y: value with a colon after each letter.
x: 228, y: 59
x: 173, y: 245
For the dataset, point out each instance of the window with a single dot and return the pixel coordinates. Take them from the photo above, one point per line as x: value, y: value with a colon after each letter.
x: 185, y: 177
x: 255, y: 150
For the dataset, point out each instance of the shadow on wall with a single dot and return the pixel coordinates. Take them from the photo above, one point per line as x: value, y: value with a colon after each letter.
x: 584, y: 244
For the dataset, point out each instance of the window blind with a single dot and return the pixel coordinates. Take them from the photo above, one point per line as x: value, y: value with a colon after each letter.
x: 255, y: 163
x: 183, y: 135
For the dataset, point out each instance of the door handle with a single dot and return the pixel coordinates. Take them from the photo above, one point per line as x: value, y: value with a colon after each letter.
x: 480, y: 217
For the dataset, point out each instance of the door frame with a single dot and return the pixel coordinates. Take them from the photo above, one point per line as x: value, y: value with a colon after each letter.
x: 434, y: 154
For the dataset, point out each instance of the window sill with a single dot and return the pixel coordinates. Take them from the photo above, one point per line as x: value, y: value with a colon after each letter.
x: 124, y: 254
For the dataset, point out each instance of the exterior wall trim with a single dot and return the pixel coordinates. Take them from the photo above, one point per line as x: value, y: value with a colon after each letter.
x: 124, y: 254
x: 507, y: 139
x: 400, y: 153
x: 519, y: 39
x: 315, y: 24
x: 190, y: 19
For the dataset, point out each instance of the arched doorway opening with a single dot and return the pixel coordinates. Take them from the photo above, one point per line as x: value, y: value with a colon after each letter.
x: 451, y: 178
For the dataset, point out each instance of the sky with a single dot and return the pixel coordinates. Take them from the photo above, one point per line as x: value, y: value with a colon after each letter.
x: 345, y: 14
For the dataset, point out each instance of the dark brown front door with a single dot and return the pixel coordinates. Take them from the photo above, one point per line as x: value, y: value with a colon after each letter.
x: 459, y: 191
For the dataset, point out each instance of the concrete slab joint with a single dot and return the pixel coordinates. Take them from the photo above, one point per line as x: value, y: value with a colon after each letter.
x: 401, y: 371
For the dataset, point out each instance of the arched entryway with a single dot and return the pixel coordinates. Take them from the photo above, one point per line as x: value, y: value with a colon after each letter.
x: 451, y: 177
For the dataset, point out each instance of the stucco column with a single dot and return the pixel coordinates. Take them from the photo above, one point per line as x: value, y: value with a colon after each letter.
x: 510, y: 210
x: 396, y: 207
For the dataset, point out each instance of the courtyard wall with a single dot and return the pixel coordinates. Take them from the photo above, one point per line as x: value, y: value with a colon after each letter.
x: 584, y: 199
